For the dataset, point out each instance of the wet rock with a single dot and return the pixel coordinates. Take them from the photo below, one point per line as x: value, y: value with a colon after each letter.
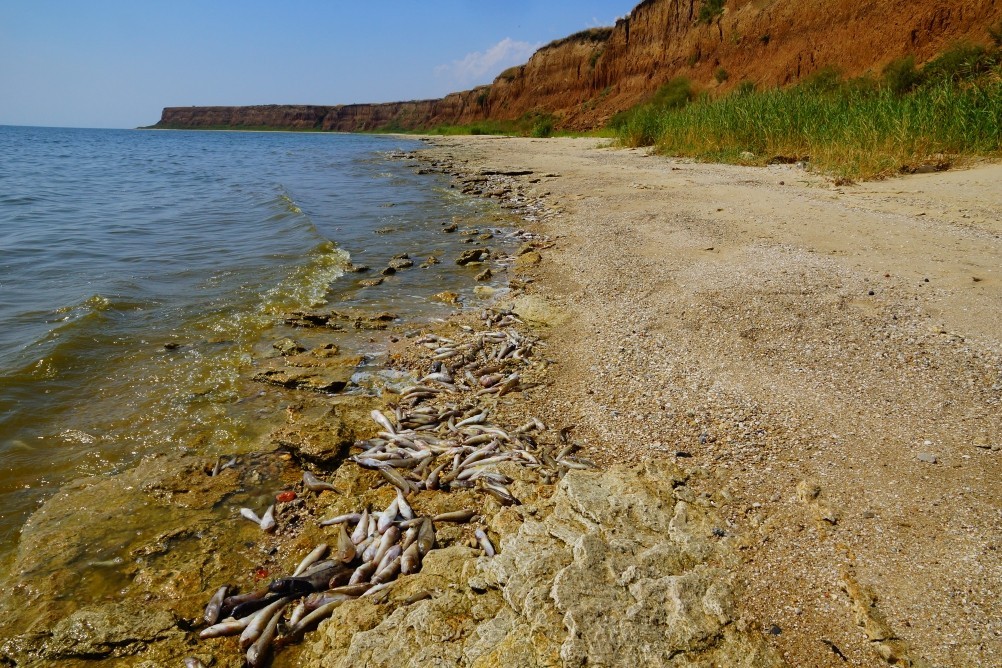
x: 486, y: 236
x: 452, y: 227
x: 485, y: 275
x: 323, y: 435
x: 388, y: 271
x: 484, y: 292
x: 526, y: 260
x: 288, y: 346
x: 359, y: 268
x: 473, y: 255
x: 311, y: 319
x: 401, y: 263
x: 332, y: 377
x: 431, y: 261
x: 612, y: 570
x: 110, y: 631
x: 371, y: 282
x: 447, y: 296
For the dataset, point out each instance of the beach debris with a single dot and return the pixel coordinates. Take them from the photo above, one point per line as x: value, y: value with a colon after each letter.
x: 440, y: 435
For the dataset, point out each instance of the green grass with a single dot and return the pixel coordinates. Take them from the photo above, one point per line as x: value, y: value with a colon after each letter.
x: 862, y: 128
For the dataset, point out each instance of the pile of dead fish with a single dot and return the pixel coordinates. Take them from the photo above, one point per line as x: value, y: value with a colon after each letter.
x: 438, y: 438
x: 364, y: 562
x: 441, y: 437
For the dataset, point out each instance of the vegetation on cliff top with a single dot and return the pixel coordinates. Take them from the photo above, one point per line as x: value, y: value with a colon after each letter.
x: 908, y: 119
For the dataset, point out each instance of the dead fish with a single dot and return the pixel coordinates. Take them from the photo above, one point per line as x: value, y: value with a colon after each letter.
x: 394, y: 552
x: 297, y: 613
x: 315, y: 484
x: 341, y: 519
x: 363, y: 573
x: 260, y: 621
x: 410, y: 559
x: 455, y: 516
x: 377, y: 588
x: 387, y: 573
x: 231, y: 602
x: 500, y: 493
x: 258, y: 652
x: 309, y: 582
x: 361, y: 529
x: 350, y: 590
x: 426, y: 537
x: 404, y: 508
x: 485, y: 542
x: 321, y: 613
x: 419, y: 596
x: 381, y: 420
x: 268, y: 523
x: 215, y: 606
x: 227, y: 627
x: 389, y: 538
x: 249, y: 514
x: 313, y: 557
x: 249, y: 608
x: 345, y: 546
x: 387, y: 517
x: 476, y: 419
x: 193, y: 662
x: 396, y: 479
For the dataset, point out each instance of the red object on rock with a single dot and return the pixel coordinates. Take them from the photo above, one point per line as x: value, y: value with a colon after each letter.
x: 285, y: 497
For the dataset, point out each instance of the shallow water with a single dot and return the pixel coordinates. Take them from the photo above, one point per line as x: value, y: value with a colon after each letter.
x: 115, y: 243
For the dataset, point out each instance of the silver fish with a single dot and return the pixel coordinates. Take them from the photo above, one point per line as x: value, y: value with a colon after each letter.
x: 259, y: 620
x: 258, y: 652
x: 215, y: 605
x: 227, y: 627
x: 387, y: 517
x: 249, y: 514
x: 345, y: 546
x: 313, y: 557
x: 485, y: 542
x: 341, y: 519
x: 315, y: 484
x: 268, y: 523
x: 455, y: 516
x: 410, y: 559
x: 387, y: 572
x: 381, y: 420
x: 361, y: 529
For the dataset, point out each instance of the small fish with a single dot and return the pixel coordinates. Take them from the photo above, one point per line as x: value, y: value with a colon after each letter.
x: 257, y: 654
x: 321, y: 613
x: 268, y: 523
x: 389, y: 538
x: 387, y: 573
x: 419, y: 596
x: 227, y: 627
x: 363, y: 573
x: 341, y: 519
x: 381, y: 420
x: 393, y: 553
x: 404, y: 508
x: 215, y: 606
x: 485, y: 542
x: 193, y: 662
x: 455, y: 516
x: 410, y: 559
x: 313, y: 557
x: 315, y: 484
x: 361, y: 529
x: 345, y: 546
x: 260, y: 621
x: 426, y: 537
x: 387, y: 517
x: 249, y: 514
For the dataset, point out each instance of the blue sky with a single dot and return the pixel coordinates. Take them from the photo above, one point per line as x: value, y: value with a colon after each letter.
x: 104, y: 63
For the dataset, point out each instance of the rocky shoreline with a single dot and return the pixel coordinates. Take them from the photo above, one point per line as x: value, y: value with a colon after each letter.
x: 557, y: 524
x: 702, y: 352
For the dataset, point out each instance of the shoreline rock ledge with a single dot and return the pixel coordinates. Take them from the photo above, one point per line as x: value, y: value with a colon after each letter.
x: 625, y: 567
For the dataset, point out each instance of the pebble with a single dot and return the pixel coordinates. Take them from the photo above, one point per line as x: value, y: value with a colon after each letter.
x: 927, y: 457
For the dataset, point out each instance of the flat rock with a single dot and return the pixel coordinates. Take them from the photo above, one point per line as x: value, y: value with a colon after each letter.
x: 473, y: 255
x: 615, y: 571
x: 526, y: 260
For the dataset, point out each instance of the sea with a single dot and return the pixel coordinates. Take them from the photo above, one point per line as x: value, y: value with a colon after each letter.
x: 142, y: 273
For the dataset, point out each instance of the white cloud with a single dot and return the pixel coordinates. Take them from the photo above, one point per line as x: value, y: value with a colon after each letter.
x: 481, y: 67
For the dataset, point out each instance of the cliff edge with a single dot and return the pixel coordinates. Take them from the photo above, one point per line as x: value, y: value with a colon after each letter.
x: 584, y: 79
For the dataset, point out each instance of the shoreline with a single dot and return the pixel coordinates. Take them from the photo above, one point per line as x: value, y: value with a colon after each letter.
x: 827, y: 354
x: 669, y: 326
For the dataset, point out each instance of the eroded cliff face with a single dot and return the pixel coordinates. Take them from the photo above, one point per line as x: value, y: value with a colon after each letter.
x: 586, y: 78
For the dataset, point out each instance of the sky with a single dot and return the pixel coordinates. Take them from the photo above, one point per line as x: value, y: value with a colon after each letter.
x: 117, y: 63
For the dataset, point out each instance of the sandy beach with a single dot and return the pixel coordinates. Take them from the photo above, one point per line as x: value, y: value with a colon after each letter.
x: 827, y: 357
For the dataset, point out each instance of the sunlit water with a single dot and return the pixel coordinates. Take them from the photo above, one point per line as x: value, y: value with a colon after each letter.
x: 116, y: 243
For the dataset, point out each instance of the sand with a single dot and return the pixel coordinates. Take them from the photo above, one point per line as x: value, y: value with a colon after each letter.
x: 831, y: 356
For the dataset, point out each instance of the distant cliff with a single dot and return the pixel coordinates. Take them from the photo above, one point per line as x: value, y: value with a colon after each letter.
x: 585, y: 78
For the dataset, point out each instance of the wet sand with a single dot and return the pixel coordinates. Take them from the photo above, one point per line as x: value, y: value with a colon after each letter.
x: 830, y: 355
